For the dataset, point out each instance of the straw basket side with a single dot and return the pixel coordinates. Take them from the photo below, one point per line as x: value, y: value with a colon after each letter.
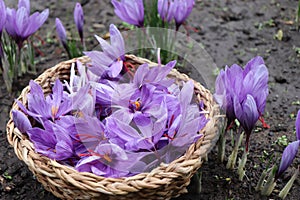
x: 164, y: 182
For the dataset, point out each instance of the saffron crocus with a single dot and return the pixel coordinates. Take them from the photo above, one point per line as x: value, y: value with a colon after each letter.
x: 190, y: 119
x: 181, y: 11
x: 242, y: 93
x: 147, y: 110
x: 154, y: 75
x: 297, y: 125
x: 228, y: 83
x: 86, y: 132
x: 51, y: 107
x: 20, y: 24
x: 79, y: 20
x: 21, y: 121
x: 108, y: 160
x: 130, y: 11
x: 2, y: 23
x: 291, y: 150
x: 25, y: 4
x: 3, y: 17
x: 288, y: 156
x: 166, y: 9
x: 83, y: 78
x: 54, y: 141
x: 249, y: 103
x: 247, y: 113
x: 109, y: 62
x: 61, y: 33
x: 255, y: 82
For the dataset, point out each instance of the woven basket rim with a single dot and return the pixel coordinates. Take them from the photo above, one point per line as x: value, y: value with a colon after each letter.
x: 15, y: 137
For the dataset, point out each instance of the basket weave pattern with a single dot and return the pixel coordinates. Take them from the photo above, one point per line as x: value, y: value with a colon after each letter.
x: 164, y: 182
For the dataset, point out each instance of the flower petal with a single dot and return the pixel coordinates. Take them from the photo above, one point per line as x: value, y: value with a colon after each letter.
x: 25, y: 4
x: 298, y: 126
x: 21, y: 121
x: 79, y: 19
x: 246, y: 112
x: 288, y: 156
x: 117, y: 41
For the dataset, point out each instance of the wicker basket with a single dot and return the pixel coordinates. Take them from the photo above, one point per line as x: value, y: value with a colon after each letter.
x: 163, y: 182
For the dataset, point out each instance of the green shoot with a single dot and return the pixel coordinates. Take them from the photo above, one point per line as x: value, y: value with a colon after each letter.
x: 298, y: 16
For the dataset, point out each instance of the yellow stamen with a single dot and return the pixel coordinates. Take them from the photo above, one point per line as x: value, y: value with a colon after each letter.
x: 54, y: 111
x: 137, y: 104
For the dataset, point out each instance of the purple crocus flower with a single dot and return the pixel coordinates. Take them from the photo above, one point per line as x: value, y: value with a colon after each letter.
x: 242, y: 93
x: 58, y: 103
x: 86, y: 132
x: 291, y: 150
x: 166, y: 9
x: 181, y: 132
x: 51, y: 107
x: 61, y: 33
x: 79, y: 19
x: 249, y: 103
x: 25, y: 4
x: 182, y: 9
x: 228, y: 83
x: 288, y: 156
x: 84, y: 77
x: 108, y: 160
x: 130, y: 11
x: 20, y: 24
x: 21, y: 121
x: 155, y: 75
x: 3, y: 17
x: 110, y: 60
x: 147, y: 109
x: 97, y: 95
x: 255, y: 82
x: 247, y: 113
x: 54, y: 141
x: 297, y: 125
x: 184, y: 129
x: 2, y: 23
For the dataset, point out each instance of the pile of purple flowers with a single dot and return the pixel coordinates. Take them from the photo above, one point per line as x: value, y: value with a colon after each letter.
x: 111, y: 120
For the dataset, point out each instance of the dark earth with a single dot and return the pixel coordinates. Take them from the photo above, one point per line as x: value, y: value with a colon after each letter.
x: 231, y: 31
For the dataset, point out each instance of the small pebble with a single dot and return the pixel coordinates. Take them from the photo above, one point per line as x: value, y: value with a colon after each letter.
x: 271, y: 134
x: 7, y: 188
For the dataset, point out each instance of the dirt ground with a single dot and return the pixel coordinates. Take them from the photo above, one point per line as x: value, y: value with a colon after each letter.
x: 231, y: 31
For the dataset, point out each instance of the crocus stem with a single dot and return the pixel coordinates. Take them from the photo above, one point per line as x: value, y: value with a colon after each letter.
x: 83, y: 44
x: 197, y: 182
x: 283, y: 193
x: 23, y: 65
x: 242, y: 163
x: 261, y: 180
x: 200, y: 182
x: 7, y: 78
x: 1, y: 55
x: 31, y: 57
x: 298, y: 16
x: 221, y: 147
x: 16, y: 71
x: 270, y: 184
x: 232, y: 158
